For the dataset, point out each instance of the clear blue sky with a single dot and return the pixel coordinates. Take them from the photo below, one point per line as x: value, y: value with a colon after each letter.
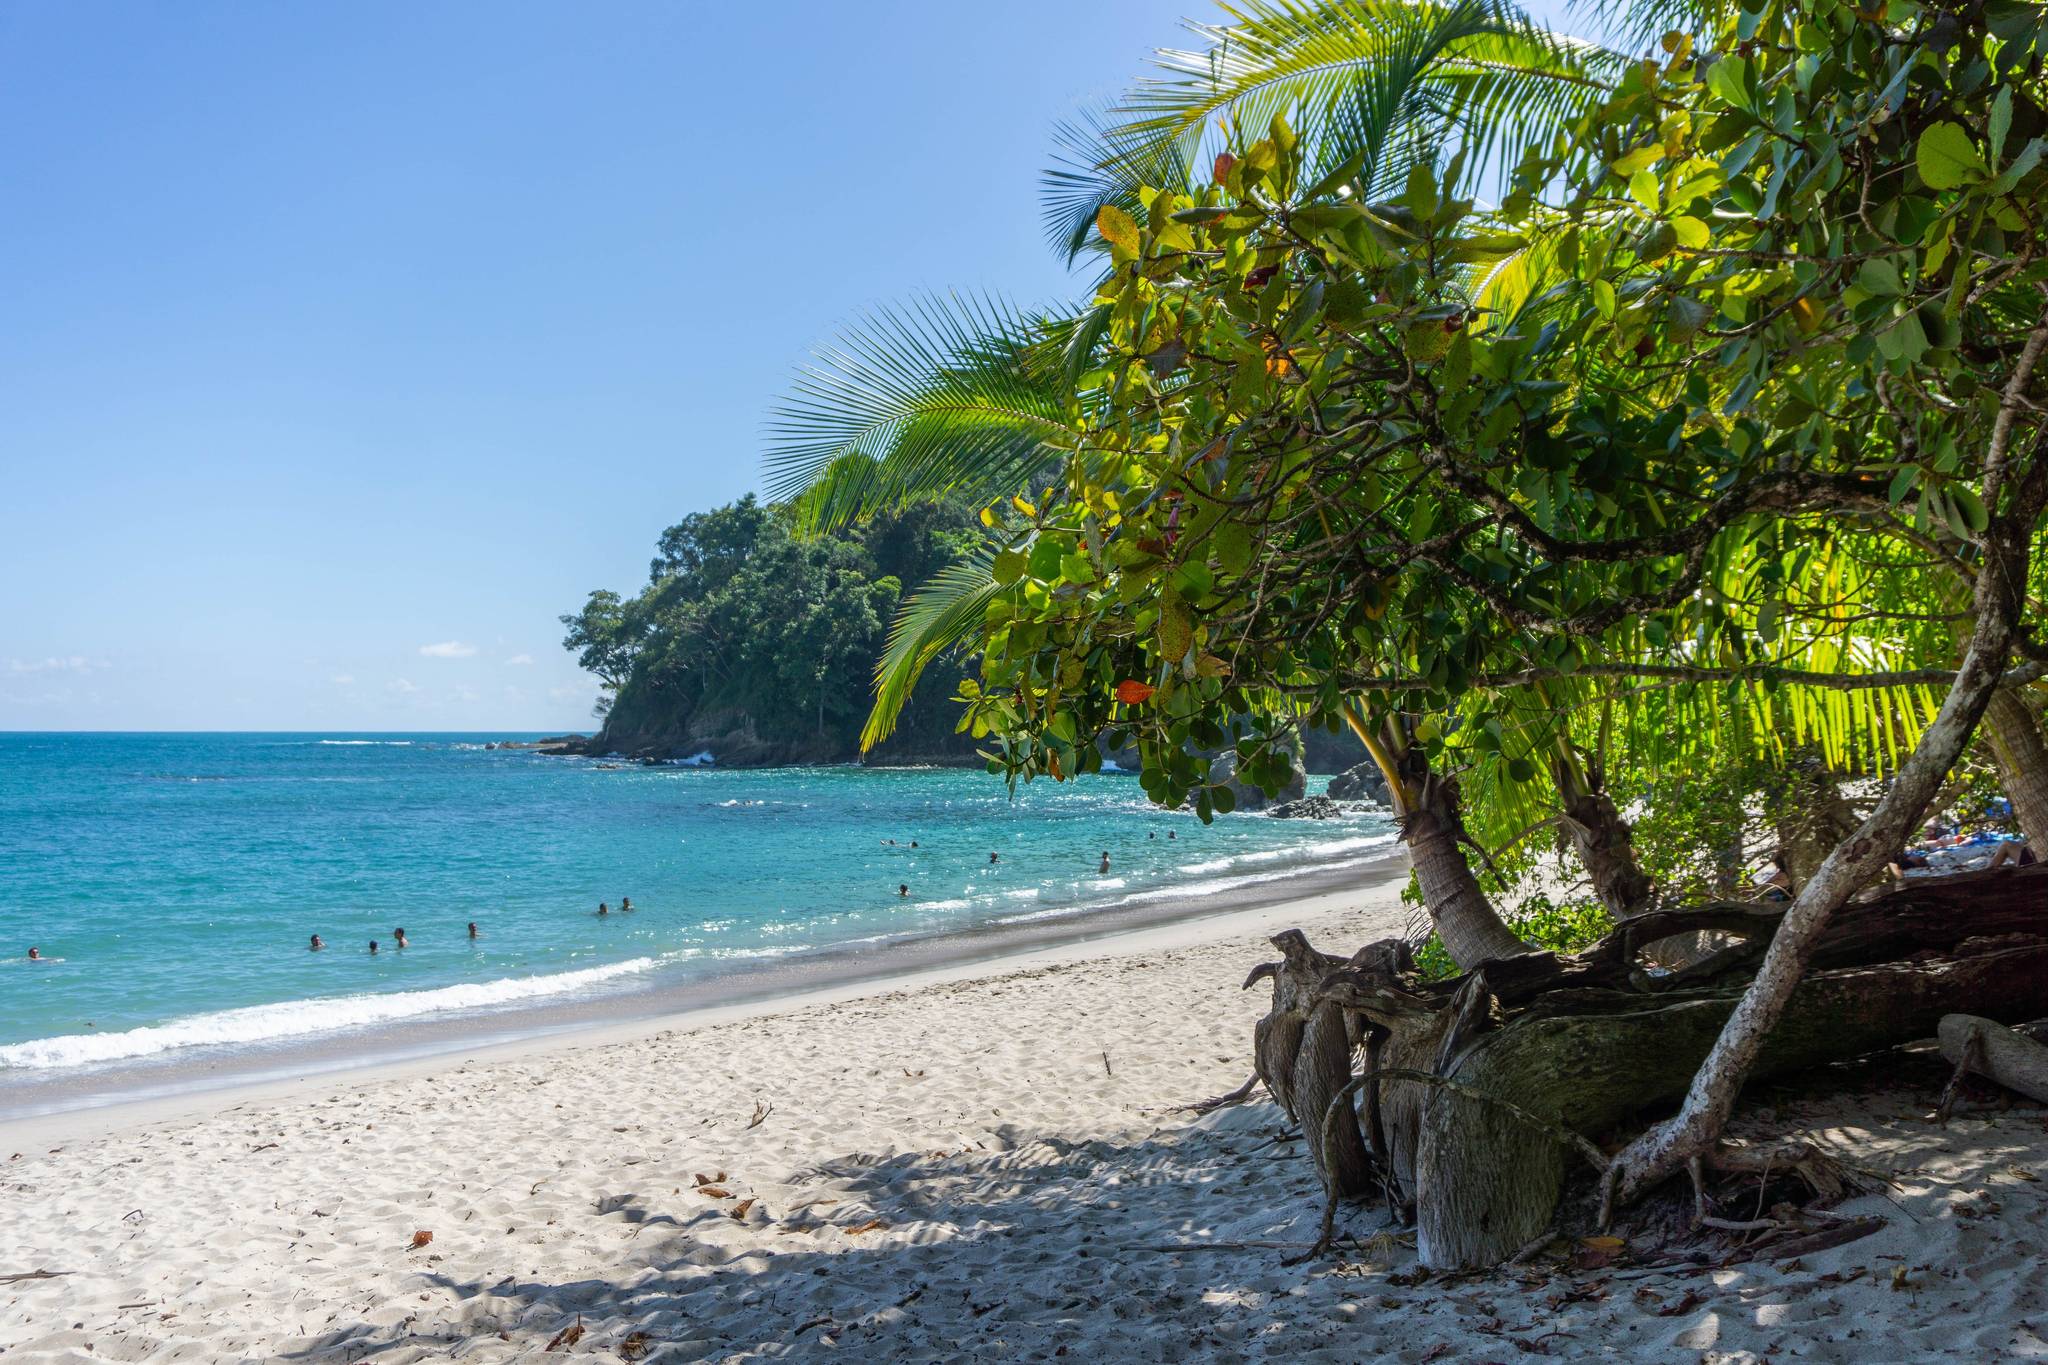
x: 347, y: 346
x: 338, y: 333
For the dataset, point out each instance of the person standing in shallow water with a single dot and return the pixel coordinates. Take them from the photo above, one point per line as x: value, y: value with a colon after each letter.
x: 903, y: 890
x: 1104, y: 869
x: 473, y: 931
x: 316, y: 945
x: 625, y: 904
x: 398, y: 937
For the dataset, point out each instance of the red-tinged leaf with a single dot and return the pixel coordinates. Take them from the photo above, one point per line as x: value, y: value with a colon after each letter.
x: 1225, y: 163
x: 421, y: 1238
x: 1131, y: 692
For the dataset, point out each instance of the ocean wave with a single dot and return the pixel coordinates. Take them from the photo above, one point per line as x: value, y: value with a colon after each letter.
x: 299, y: 1018
x: 367, y: 743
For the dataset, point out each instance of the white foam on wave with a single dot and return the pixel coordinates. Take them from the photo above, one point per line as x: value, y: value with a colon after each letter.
x: 299, y: 1018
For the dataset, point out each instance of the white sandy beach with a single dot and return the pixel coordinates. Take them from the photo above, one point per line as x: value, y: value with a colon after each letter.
x: 981, y: 1163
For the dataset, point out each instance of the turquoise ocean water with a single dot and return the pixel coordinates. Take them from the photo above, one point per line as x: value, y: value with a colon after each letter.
x: 173, y: 880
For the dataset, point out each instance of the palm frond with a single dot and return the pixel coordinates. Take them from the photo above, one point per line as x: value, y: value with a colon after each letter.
x: 935, y: 619
x: 1096, y: 163
x: 943, y: 395
x: 1379, y: 77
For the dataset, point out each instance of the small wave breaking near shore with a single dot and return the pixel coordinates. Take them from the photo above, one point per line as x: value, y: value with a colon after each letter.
x: 300, y: 1018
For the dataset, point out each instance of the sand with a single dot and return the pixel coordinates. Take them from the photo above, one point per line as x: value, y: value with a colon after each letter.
x: 981, y: 1164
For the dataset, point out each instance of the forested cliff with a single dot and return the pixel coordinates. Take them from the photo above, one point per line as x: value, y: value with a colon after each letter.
x: 759, y: 646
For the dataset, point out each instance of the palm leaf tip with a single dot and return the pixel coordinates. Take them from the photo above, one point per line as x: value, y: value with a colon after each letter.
x: 936, y: 618
x: 937, y: 396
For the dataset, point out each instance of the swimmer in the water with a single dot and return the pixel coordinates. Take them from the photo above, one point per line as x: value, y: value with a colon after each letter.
x: 1104, y: 869
x: 373, y: 947
x: 903, y: 889
x: 398, y: 937
x: 473, y: 931
x: 625, y: 904
x: 1171, y: 835
x: 35, y: 955
x: 603, y: 909
x: 993, y: 857
x: 316, y: 945
x: 913, y: 843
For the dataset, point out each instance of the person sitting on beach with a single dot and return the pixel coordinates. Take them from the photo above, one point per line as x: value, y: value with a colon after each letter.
x: 603, y: 909
x: 625, y: 904
x: 398, y: 937
x: 1104, y: 869
x: 473, y: 931
x: 316, y: 945
x: 35, y: 955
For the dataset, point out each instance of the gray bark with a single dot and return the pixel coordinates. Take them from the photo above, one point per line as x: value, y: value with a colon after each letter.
x: 2022, y: 760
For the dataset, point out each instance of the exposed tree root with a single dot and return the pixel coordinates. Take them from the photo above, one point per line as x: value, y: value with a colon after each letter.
x: 1477, y: 1090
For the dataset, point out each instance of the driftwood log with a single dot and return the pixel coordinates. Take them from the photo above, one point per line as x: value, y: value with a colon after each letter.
x: 1997, y: 1053
x: 1485, y: 1074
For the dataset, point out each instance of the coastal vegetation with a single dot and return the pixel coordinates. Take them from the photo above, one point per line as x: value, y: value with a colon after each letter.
x: 755, y: 645
x: 1637, y: 446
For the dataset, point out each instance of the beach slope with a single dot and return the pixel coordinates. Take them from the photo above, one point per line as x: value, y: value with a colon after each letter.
x: 981, y: 1163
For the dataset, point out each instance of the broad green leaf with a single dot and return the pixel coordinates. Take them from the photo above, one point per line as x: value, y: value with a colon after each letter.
x: 1946, y: 158
x: 1727, y: 78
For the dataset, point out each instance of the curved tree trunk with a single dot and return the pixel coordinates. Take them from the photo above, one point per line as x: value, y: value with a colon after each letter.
x: 2022, y: 759
x: 1602, y: 839
x: 1465, y: 920
x: 1427, y: 806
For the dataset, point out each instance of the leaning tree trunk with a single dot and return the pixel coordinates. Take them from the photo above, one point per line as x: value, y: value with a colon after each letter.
x: 1602, y: 839
x: 2022, y: 760
x: 1465, y: 919
x: 1999, y: 595
x: 1434, y: 830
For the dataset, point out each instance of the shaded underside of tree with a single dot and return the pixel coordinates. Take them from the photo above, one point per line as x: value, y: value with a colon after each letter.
x: 1586, y: 1041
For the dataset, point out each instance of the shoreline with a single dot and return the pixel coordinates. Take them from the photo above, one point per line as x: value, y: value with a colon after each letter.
x: 991, y: 1160
x: 67, y: 1104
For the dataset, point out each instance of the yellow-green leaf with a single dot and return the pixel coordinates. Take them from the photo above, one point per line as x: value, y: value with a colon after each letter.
x: 1118, y: 229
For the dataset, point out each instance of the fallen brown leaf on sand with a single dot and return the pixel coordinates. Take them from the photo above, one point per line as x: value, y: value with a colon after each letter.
x: 714, y: 1191
x: 567, y: 1337
x: 703, y: 1179
x: 739, y: 1210
x: 872, y: 1225
x: 635, y: 1346
x: 421, y: 1238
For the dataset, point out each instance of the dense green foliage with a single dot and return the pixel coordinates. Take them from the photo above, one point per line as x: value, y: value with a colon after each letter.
x: 748, y: 634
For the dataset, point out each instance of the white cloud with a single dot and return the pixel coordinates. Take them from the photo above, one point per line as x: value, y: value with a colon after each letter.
x: 344, y: 679
x: 447, y: 649
x: 520, y: 659
x: 75, y: 663
x: 402, y: 686
x: 564, y: 693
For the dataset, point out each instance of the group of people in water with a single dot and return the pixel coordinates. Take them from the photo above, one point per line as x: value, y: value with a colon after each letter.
x: 903, y: 888
x: 399, y: 940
